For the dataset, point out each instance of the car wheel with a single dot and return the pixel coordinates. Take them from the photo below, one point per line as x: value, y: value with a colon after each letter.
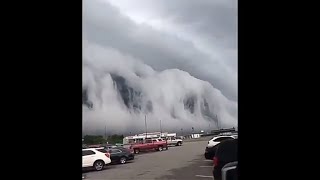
x: 123, y: 160
x: 136, y: 151
x: 160, y: 148
x: 98, y: 165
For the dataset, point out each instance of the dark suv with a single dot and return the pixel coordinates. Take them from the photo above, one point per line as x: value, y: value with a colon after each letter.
x: 227, y: 152
x: 119, y: 154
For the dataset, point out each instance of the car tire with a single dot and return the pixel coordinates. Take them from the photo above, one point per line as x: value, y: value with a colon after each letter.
x: 98, y: 165
x: 160, y: 148
x: 178, y: 143
x: 136, y: 151
x: 123, y: 160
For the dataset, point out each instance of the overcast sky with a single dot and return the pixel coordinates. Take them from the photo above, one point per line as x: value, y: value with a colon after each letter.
x: 197, y: 36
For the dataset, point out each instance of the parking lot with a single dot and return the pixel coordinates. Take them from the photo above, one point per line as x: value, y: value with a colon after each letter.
x: 179, y: 162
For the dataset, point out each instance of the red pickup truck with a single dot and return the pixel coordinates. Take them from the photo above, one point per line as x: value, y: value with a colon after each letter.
x: 149, y: 144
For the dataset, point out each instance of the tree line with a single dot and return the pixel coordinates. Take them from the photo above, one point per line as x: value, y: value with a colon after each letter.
x: 96, y: 139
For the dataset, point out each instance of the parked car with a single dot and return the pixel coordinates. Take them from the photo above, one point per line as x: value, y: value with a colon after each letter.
x: 213, y: 144
x: 93, y: 158
x: 230, y: 171
x: 226, y: 152
x: 108, y: 146
x: 216, y: 140
x: 119, y: 154
x: 149, y: 144
x: 174, y: 141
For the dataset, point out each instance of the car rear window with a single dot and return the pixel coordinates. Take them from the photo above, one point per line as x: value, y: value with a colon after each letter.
x: 115, y: 151
x: 102, y: 150
x: 87, y: 152
x: 123, y: 149
x: 222, y: 139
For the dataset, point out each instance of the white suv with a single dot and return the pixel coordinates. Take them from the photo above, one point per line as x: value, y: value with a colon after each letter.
x: 93, y: 158
x: 174, y: 141
x: 216, y: 140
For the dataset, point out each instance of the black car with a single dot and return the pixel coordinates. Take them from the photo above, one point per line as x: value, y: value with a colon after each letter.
x: 210, y: 152
x: 226, y: 152
x: 119, y: 154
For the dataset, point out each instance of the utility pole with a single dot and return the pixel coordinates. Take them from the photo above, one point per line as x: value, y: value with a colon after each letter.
x: 160, y: 129
x: 105, y: 131
x: 217, y: 122
x: 145, y: 122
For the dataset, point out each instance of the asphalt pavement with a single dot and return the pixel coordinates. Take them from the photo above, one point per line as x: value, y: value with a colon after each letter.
x: 179, y: 162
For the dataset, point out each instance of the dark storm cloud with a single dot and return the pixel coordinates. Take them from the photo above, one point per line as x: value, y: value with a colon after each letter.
x: 213, y: 22
x: 215, y: 19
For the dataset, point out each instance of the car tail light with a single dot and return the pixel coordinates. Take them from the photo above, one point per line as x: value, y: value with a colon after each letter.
x: 108, y: 155
x: 215, y: 161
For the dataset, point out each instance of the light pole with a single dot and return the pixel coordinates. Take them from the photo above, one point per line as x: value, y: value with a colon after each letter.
x: 160, y: 129
x: 105, y: 131
x: 217, y: 122
x: 145, y: 122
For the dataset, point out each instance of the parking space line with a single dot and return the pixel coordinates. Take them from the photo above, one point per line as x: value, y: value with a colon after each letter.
x: 207, y: 166
x: 204, y: 176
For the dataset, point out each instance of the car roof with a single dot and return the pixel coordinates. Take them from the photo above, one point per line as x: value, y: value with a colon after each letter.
x: 216, y: 137
x: 99, y: 148
x: 94, y: 149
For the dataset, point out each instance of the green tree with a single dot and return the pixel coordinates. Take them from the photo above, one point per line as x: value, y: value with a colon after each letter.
x: 91, y: 139
x: 115, y: 138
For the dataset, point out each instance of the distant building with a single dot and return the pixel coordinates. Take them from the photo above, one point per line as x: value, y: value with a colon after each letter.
x: 193, y: 136
x: 141, y: 137
x: 223, y: 131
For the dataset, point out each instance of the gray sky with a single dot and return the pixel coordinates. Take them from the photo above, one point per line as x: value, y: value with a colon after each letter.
x: 197, y: 36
